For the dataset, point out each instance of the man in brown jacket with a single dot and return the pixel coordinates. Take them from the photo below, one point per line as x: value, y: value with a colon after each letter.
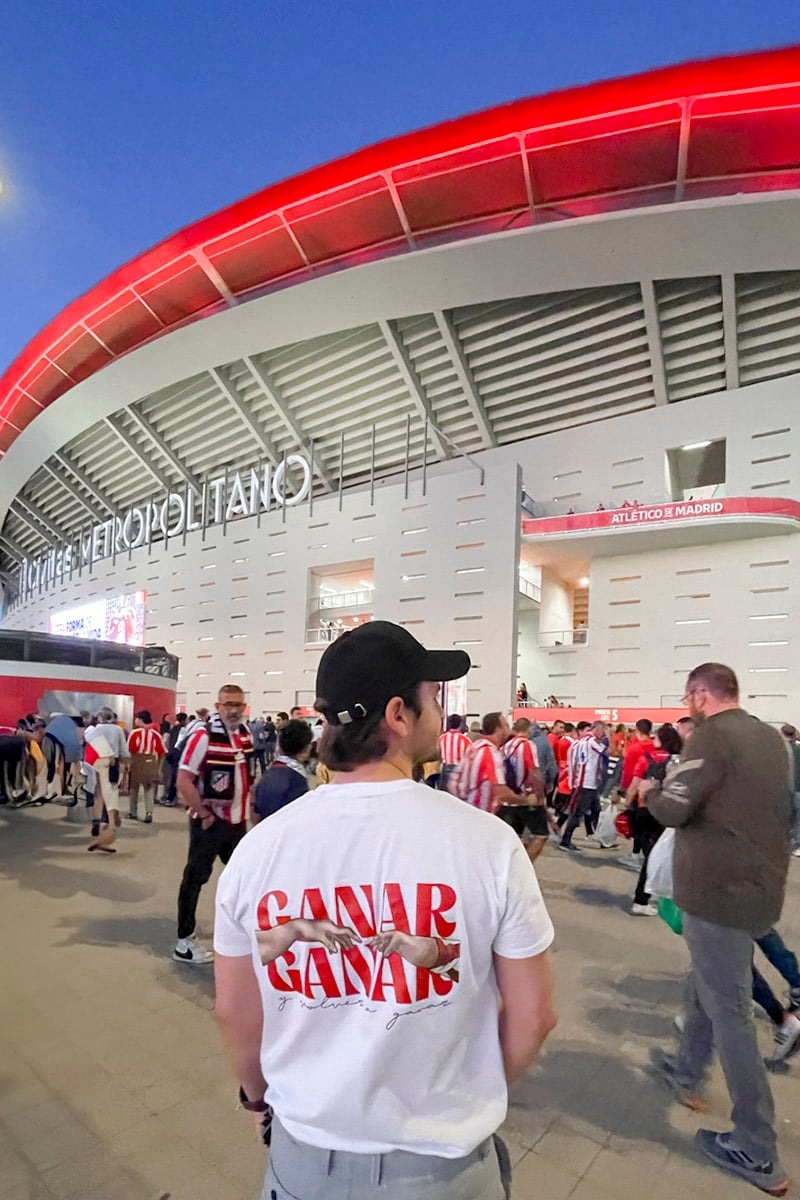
x: 730, y: 803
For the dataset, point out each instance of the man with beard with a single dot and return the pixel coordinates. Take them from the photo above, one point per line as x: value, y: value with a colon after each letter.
x: 214, y: 781
x: 405, y: 977
x: 729, y: 801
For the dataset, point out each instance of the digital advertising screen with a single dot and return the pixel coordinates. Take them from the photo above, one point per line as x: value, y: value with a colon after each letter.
x: 118, y: 619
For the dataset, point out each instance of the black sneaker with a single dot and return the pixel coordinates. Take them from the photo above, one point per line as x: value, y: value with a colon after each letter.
x: 95, y: 829
x: 768, y: 1176
x: 148, y: 820
x: 132, y: 816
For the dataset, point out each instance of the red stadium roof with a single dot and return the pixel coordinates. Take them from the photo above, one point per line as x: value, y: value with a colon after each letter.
x: 704, y: 129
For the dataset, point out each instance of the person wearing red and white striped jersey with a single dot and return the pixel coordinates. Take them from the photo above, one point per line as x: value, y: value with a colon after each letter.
x: 586, y: 773
x: 453, y: 745
x: 482, y: 773
x: 522, y: 773
x: 214, y: 780
x: 147, y: 750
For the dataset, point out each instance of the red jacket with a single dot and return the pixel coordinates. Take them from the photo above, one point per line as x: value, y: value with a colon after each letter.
x: 637, y: 748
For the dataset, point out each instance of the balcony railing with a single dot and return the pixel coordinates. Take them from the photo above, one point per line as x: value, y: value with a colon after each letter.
x: 531, y: 590
x: 564, y: 637
x: 344, y: 599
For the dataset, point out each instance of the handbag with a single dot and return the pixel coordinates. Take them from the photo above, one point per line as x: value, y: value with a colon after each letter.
x: 622, y: 823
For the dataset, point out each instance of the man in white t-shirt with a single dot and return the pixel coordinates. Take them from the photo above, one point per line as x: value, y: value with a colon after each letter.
x: 379, y: 984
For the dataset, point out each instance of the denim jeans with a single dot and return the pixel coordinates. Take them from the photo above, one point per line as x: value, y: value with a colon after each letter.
x: 775, y: 950
x: 719, y: 1016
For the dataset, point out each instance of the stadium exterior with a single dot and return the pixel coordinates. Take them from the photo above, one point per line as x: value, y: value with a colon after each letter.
x: 526, y: 382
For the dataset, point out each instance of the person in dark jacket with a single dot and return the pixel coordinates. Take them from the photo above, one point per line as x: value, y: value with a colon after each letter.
x: 729, y: 801
x: 285, y: 779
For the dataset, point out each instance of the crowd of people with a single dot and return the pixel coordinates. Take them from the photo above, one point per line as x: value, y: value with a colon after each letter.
x: 446, y: 817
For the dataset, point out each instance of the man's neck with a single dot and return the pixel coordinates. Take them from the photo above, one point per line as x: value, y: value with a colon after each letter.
x: 721, y: 706
x: 385, y: 770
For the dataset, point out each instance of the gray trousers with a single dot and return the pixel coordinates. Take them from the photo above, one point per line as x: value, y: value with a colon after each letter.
x: 297, y: 1171
x: 719, y: 1014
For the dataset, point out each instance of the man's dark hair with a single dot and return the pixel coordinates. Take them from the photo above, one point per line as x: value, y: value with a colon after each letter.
x: 568, y: 727
x: 491, y: 723
x: 145, y: 716
x: 454, y: 721
x: 670, y: 739
x: 716, y: 678
x: 644, y: 725
x: 282, y: 716
x: 345, y: 747
x: 685, y: 721
x: 294, y: 738
x: 181, y: 719
x: 583, y: 725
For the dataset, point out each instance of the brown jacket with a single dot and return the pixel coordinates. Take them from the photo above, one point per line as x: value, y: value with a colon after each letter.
x: 730, y: 802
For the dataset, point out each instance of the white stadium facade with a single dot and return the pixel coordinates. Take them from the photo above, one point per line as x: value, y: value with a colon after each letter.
x: 527, y: 382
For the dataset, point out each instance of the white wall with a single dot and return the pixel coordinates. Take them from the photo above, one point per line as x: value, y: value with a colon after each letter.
x: 556, y: 604
x: 235, y: 607
x: 533, y: 663
x: 636, y: 653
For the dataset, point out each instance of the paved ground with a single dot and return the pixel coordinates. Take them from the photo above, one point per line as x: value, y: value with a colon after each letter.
x: 113, y: 1087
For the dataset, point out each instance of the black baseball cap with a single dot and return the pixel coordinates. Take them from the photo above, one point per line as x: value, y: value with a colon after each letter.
x: 360, y: 672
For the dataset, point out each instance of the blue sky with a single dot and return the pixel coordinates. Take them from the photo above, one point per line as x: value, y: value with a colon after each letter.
x: 121, y: 123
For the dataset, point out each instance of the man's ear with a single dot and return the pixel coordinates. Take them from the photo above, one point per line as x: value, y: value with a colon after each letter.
x: 396, y: 717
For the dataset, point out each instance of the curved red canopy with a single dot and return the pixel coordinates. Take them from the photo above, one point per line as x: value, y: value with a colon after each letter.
x: 702, y: 129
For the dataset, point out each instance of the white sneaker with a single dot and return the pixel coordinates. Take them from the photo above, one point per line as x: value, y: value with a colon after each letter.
x: 679, y: 1021
x: 644, y: 910
x: 189, y: 951
x: 796, y: 853
x: 787, y: 1039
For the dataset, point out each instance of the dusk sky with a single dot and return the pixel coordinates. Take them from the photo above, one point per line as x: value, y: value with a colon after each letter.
x: 121, y: 123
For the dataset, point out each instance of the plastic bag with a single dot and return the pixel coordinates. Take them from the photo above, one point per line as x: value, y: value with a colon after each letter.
x: 671, y: 914
x: 606, y: 832
x: 659, y: 865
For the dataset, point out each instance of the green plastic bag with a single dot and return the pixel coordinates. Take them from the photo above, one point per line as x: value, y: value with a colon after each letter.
x: 671, y: 914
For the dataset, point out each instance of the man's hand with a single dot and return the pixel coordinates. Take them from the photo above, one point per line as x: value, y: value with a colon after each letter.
x: 331, y: 936
x: 419, y: 951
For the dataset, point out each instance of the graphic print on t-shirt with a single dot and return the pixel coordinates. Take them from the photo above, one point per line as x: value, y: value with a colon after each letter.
x: 383, y: 945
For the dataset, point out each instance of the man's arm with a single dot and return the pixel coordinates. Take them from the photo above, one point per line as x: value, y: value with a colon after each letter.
x: 527, y: 1015
x: 678, y: 800
x: 240, y: 1018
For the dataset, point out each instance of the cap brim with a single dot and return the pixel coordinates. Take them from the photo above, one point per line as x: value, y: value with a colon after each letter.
x: 444, y: 665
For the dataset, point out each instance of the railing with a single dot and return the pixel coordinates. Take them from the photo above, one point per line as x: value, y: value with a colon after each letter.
x: 343, y: 599
x: 531, y: 590
x: 564, y: 637
x: 26, y: 646
x: 322, y: 637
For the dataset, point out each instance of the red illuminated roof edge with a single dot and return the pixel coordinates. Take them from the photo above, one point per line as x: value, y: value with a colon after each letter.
x: 709, y: 77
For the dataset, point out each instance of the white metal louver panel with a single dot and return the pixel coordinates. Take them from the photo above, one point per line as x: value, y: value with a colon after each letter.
x: 768, y: 325
x: 344, y: 384
x: 692, y: 333
x: 439, y: 381
x: 547, y: 362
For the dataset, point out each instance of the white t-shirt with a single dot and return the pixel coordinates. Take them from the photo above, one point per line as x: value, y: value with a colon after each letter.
x: 366, y: 1053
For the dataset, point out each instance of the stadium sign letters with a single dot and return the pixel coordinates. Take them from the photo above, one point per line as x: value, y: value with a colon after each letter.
x: 219, y: 500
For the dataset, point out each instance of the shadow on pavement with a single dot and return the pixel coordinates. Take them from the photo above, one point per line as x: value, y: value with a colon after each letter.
x: 603, y: 1097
